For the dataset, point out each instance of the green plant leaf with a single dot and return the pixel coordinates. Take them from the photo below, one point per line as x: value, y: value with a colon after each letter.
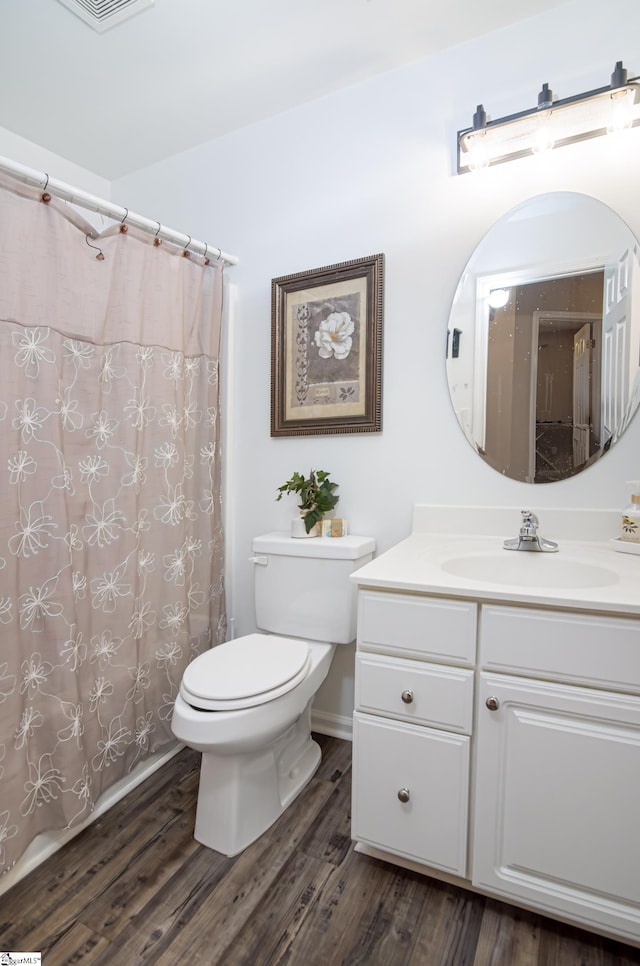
x: 316, y: 493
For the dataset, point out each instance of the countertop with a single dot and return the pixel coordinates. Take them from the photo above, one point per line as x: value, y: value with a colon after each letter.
x: 582, y: 575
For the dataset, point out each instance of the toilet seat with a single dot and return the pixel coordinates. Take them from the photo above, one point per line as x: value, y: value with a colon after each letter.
x: 245, y: 672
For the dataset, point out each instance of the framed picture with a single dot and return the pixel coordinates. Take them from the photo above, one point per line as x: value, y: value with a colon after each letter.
x: 326, y: 349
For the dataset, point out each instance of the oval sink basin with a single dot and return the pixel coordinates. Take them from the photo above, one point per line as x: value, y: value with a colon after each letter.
x: 519, y: 568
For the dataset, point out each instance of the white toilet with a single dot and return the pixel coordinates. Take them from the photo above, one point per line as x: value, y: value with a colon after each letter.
x: 246, y: 704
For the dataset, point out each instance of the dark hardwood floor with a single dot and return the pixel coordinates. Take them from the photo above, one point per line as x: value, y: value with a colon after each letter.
x: 136, y: 888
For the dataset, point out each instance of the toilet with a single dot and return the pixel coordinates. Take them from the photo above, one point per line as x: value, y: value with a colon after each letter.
x: 246, y: 704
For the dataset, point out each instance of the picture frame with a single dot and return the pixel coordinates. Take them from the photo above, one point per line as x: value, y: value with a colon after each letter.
x: 326, y: 349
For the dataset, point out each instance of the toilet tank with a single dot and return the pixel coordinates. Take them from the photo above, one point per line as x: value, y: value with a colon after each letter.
x: 302, y: 586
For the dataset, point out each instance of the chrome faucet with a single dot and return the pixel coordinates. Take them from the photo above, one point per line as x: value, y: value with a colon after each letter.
x: 528, y: 538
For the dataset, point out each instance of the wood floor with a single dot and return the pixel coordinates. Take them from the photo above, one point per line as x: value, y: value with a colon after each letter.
x: 136, y: 888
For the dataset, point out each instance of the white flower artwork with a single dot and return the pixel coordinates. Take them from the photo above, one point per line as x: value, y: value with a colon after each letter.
x: 334, y: 336
x: 326, y: 344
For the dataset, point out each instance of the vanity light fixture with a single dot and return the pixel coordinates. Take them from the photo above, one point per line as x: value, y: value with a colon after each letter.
x: 551, y: 124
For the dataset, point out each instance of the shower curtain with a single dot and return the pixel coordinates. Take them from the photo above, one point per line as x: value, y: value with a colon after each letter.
x: 111, y: 540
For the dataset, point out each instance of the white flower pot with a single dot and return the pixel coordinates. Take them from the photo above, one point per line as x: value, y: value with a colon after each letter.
x: 298, y: 528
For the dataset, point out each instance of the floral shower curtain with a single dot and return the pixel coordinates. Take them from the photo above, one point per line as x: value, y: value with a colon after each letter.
x: 111, y: 542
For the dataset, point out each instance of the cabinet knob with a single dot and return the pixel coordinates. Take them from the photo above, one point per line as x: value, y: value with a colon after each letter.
x: 492, y: 703
x: 404, y: 795
x: 407, y: 697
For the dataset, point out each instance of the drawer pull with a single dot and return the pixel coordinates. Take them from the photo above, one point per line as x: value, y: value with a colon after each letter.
x: 492, y: 703
x: 407, y: 697
x: 404, y: 795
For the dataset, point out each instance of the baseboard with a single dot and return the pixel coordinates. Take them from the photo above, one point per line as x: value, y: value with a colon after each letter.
x: 335, y: 725
x: 45, y: 844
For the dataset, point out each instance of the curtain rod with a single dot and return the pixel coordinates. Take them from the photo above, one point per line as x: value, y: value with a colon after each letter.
x: 92, y: 203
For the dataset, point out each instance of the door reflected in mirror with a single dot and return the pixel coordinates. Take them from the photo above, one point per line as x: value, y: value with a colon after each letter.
x: 544, y: 370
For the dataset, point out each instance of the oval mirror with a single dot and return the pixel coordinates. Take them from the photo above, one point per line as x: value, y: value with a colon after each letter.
x: 543, y: 347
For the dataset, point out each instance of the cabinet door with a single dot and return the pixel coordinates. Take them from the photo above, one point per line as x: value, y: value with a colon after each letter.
x: 410, y: 791
x: 557, y: 800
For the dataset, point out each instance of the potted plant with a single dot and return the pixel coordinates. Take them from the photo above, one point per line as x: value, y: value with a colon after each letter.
x: 317, y: 497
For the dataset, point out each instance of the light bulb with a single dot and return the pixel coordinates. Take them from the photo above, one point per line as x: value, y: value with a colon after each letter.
x: 477, y: 154
x: 621, y: 116
x: 542, y: 139
x: 498, y: 298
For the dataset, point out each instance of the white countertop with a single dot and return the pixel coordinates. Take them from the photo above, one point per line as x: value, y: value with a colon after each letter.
x: 587, y: 575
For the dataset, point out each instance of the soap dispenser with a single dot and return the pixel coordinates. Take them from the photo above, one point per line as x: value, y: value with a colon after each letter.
x: 630, y: 530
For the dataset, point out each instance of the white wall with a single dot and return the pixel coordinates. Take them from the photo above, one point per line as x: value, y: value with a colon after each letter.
x: 371, y: 170
x: 34, y: 156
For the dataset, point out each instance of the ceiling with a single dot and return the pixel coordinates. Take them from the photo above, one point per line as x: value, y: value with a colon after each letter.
x: 184, y: 71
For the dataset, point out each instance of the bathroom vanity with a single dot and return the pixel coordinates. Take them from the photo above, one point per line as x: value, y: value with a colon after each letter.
x: 496, y: 739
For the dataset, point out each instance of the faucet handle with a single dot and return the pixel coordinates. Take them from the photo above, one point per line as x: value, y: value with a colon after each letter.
x: 529, y: 526
x: 528, y: 538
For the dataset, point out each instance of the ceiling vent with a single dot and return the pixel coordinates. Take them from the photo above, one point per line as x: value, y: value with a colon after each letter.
x: 101, y: 15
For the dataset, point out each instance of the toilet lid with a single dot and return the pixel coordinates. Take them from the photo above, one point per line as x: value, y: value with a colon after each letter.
x: 245, y: 672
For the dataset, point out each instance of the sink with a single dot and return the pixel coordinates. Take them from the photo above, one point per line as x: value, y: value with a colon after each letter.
x: 529, y: 569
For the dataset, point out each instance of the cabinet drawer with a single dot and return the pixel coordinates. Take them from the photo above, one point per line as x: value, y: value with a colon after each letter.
x: 602, y: 652
x: 435, y: 695
x: 431, y: 768
x: 419, y: 627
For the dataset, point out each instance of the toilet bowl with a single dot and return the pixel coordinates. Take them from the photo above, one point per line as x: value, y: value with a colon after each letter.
x: 255, y: 760
x: 246, y: 704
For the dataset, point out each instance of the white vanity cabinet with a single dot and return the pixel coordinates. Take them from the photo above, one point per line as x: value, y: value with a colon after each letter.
x: 414, y: 710
x: 557, y: 766
x: 532, y: 792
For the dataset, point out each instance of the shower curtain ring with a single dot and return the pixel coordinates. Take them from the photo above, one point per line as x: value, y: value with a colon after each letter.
x: 186, y: 253
x: 158, y: 241
x: 99, y: 256
x: 206, y: 249
x: 123, y: 227
x: 45, y: 196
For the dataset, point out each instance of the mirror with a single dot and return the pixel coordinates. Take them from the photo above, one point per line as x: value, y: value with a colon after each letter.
x: 543, y: 346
